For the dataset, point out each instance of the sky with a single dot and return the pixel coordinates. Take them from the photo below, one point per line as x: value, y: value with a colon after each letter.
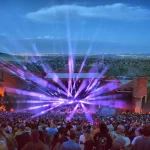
x: 74, y: 26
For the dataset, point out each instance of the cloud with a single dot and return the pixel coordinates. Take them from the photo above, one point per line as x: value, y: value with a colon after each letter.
x: 117, y: 11
x: 40, y: 37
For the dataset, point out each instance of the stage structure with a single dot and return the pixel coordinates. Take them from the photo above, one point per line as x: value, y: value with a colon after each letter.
x: 137, y: 88
x: 140, y: 93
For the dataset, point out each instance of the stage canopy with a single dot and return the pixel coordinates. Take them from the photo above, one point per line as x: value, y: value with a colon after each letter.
x: 74, y: 75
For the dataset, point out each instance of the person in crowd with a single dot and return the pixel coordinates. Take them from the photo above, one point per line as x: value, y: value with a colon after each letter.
x: 3, y: 142
x: 120, y: 132
x: 82, y: 139
x: 27, y: 129
x: 102, y: 139
x: 15, y: 131
x: 35, y: 143
x: 143, y: 142
x: 118, y: 144
x: 131, y: 132
x: 52, y: 130
x: 44, y: 135
x: 9, y: 129
x: 71, y: 144
x: 23, y: 137
x: 69, y: 126
x: 95, y: 130
x: 7, y: 140
x: 41, y: 124
x: 110, y: 126
x: 100, y: 135
x: 138, y: 133
x: 78, y: 133
x: 89, y: 143
x: 63, y: 135
x: 55, y: 144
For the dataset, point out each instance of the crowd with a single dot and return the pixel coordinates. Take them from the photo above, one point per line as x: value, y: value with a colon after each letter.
x: 126, y: 131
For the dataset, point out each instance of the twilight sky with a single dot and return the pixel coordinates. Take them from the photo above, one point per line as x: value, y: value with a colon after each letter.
x: 78, y: 26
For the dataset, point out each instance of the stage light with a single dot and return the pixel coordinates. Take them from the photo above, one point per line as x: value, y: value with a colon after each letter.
x: 91, y: 91
x: 11, y: 110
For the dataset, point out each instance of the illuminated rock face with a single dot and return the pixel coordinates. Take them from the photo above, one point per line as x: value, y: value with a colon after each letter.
x: 1, y: 85
x: 140, y: 87
x: 12, y: 81
x: 2, y: 108
x: 1, y: 88
x: 140, y: 93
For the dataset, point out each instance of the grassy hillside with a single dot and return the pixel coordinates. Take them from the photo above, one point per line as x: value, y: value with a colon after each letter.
x: 5, y: 56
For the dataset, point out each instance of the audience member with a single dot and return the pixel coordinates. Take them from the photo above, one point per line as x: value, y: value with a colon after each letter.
x: 71, y: 144
x: 102, y: 139
x: 143, y: 142
x: 35, y: 143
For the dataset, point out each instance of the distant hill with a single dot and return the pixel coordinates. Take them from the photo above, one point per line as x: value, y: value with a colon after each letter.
x: 4, y: 55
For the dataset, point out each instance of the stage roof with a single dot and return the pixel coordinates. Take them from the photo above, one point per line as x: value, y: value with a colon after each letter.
x: 75, y: 75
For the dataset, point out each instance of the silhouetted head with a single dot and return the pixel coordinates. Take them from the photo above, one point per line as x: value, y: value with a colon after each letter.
x: 118, y: 143
x: 72, y: 135
x: 35, y: 135
x: 103, y: 127
x: 146, y: 130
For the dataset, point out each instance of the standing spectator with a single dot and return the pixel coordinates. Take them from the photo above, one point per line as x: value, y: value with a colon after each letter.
x: 118, y: 144
x: 143, y: 142
x: 7, y: 139
x: 78, y: 133
x: 55, y: 144
x: 35, y: 143
x: 120, y: 133
x: 44, y: 135
x: 23, y: 137
x: 131, y: 132
x: 89, y: 143
x: 82, y: 140
x: 3, y: 142
x: 63, y: 135
x: 110, y: 126
x: 138, y: 133
x: 52, y: 130
x: 71, y: 144
x: 102, y: 139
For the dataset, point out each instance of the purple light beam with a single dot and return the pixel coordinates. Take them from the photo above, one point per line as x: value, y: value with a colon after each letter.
x: 45, y: 111
x: 104, y: 89
x: 32, y: 108
x: 87, y: 114
x: 93, y: 83
x: 72, y: 113
x: 110, y: 103
x: 33, y: 94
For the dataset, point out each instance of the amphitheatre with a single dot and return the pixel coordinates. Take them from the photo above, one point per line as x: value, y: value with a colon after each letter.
x: 133, y: 91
